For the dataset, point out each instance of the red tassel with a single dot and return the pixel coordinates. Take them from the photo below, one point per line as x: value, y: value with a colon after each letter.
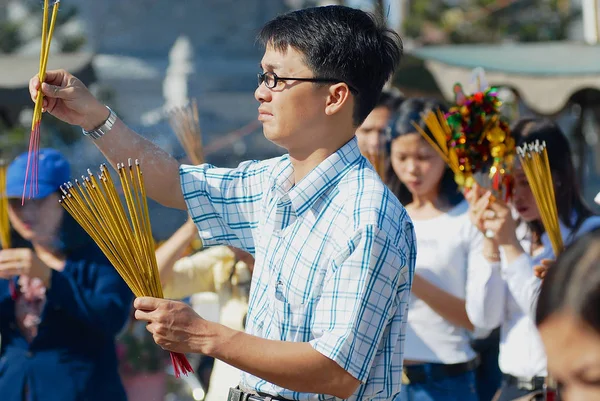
x: 180, y: 364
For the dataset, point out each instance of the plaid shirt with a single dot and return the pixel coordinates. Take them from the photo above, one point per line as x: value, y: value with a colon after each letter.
x: 335, y: 257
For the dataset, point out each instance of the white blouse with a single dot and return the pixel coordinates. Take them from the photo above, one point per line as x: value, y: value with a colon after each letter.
x: 521, y: 349
x: 449, y: 255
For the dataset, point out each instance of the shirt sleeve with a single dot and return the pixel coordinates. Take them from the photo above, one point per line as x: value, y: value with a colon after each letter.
x: 522, y: 283
x: 224, y: 203
x: 368, y: 287
x: 520, y: 278
x: 195, y: 273
x: 485, y: 288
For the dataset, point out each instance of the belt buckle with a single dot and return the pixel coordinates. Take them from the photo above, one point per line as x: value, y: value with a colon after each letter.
x: 528, y: 385
x: 235, y: 394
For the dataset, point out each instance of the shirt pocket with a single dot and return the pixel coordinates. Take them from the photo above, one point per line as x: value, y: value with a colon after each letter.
x: 292, y: 317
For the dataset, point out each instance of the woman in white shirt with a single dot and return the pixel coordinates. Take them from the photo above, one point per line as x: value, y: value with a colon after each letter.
x: 523, y: 244
x: 454, y: 279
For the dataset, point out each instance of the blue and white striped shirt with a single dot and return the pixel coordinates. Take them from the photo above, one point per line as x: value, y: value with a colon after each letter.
x: 335, y: 256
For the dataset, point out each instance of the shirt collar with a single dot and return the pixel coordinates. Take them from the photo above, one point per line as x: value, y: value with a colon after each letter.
x: 304, y: 194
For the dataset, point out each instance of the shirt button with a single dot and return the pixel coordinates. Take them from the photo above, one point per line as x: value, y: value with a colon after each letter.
x: 277, y: 233
x: 29, y: 354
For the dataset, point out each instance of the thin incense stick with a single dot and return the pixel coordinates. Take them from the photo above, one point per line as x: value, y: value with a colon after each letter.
x: 124, y: 237
x: 31, y: 172
x: 535, y: 163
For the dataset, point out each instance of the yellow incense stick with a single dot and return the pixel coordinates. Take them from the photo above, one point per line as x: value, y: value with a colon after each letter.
x: 535, y: 163
x: 4, y: 222
x: 31, y: 173
x: 125, y: 238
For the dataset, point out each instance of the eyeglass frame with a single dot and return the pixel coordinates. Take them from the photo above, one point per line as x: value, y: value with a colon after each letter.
x: 262, y: 79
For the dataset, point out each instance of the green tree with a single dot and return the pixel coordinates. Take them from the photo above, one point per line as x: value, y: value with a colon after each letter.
x: 487, y: 21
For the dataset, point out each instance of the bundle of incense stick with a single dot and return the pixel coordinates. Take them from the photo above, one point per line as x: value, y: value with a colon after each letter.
x: 535, y: 163
x: 186, y: 124
x: 125, y: 238
x: 31, y: 173
x: 4, y: 223
x: 437, y: 124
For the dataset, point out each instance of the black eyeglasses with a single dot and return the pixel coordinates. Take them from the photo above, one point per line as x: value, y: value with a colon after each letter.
x: 270, y: 79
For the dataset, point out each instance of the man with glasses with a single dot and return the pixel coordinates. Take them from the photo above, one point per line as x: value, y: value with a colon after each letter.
x: 334, y: 249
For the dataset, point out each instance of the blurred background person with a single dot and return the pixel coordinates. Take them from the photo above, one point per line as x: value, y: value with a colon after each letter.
x: 522, y: 244
x: 568, y: 317
x: 220, y: 272
x: 372, y: 133
x: 455, y: 278
x: 61, y: 302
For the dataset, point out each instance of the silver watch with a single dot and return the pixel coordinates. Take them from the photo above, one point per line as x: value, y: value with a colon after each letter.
x: 104, y: 128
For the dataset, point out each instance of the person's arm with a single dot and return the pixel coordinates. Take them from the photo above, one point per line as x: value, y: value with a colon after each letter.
x: 195, y: 273
x: 172, y: 249
x: 522, y: 283
x: 69, y: 100
x: 486, y: 290
x: 349, y: 323
x: 294, y: 366
x: 448, y: 306
x: 103, y: 303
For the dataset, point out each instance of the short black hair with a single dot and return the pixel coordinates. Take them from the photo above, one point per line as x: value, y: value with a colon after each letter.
x: 410, y: 112
x: 342, y: 43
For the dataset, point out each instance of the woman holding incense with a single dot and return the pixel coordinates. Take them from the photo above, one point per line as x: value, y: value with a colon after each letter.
x: 455, y: 277
x: 61, y: 303
x: 221, y: 270
x: 521, y: 243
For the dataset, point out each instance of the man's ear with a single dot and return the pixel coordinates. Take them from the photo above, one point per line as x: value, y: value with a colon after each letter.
x: 338, y: 97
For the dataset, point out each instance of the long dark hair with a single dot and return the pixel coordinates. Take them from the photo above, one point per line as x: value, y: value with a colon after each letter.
x: 573, y: 283
x: 408, y: 112
x: 569, y: 200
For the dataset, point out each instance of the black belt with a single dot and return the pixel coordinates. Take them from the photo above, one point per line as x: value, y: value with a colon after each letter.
x: 530, y: 384
x: 436, y: 371
x: 235, y: 394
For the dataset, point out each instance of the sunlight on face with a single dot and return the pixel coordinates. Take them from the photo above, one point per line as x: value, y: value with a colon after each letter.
x: 523, y: 199
x: 417, y: 164
x: 573, y: 350
x: 291, y: 110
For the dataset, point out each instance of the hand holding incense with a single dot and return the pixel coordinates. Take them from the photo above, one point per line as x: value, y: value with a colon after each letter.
x: 123, y: 234
x: 31, y: 173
